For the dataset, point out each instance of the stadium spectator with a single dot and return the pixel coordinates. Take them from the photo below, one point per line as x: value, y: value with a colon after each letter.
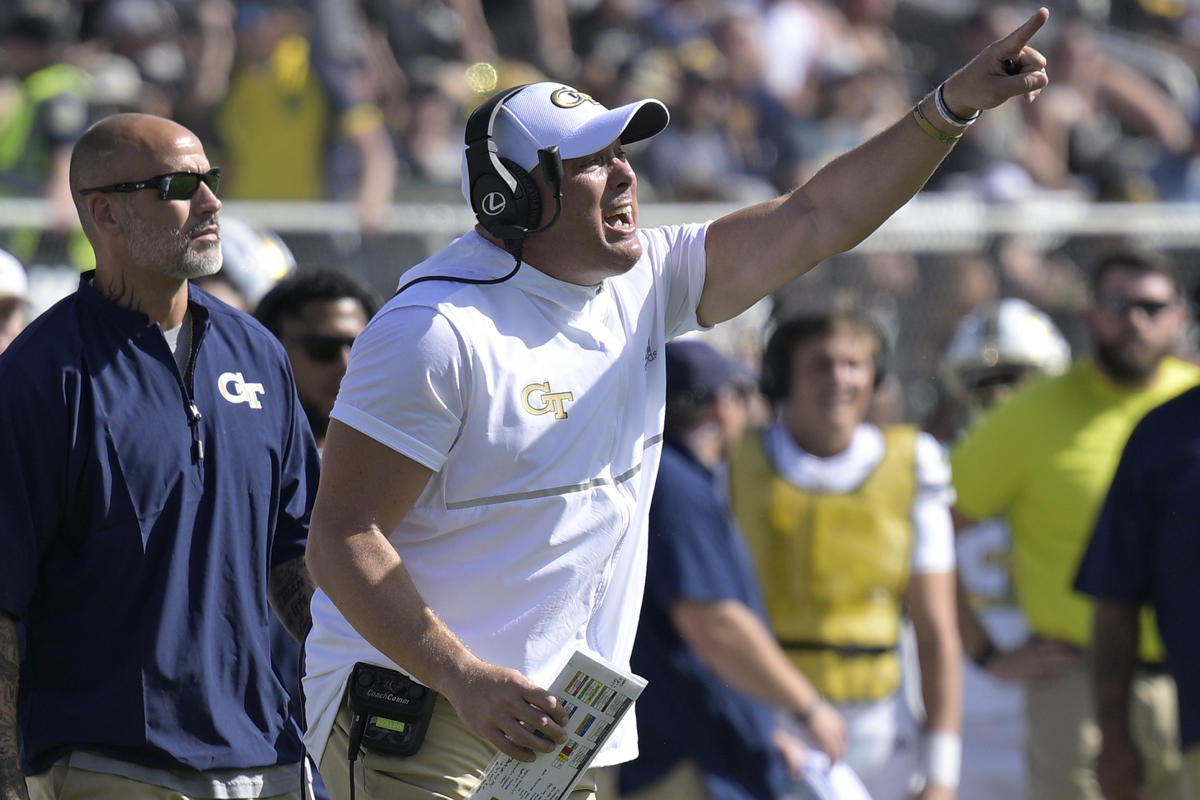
x: 850, y: 524
x: 477, y: 523
x: 707, y: 723
x: 147, y: 34
x: 296, y: 104
x: 158, y: 477
x: 536, y: 31
x: 1106, y: 124
x: 38, y: 130
x: 794, y: 34
x: 1043, y: 462
x: 704, y: 155
x: 609, y: 42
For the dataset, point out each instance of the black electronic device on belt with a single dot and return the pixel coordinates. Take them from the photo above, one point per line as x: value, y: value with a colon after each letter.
x: 391, y: 711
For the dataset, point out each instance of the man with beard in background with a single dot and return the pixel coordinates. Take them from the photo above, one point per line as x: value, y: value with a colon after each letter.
x: 1044, y: 461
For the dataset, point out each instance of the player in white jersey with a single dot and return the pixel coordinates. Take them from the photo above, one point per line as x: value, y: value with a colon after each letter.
x: 489, y: 463
x: 992, y: 352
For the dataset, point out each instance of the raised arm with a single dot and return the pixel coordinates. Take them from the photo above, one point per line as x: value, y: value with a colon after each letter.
x: 854, y: 194
x: 366, y: 489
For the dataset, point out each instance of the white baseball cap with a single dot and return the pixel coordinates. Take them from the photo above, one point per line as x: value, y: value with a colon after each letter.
x: 13, y: 282
x: 548, y: 113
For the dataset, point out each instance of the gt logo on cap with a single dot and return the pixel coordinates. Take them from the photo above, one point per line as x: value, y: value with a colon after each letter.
x: 493, y: 203
x: 566, y: 97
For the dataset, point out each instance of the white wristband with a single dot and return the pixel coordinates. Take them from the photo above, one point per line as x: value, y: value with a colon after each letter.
x: 941, y: 758
x: 939, y: 100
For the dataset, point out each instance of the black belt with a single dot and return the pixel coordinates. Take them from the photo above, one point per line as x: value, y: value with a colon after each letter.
x: 851, y: 650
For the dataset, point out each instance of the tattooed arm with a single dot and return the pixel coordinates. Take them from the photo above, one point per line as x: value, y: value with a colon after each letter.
x: 290, y: 591
x: 12, y: 782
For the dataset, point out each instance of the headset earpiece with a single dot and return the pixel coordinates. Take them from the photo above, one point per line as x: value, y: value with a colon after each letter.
x: 506, y: 200
x: 504, y: 196
x: 774, y: 375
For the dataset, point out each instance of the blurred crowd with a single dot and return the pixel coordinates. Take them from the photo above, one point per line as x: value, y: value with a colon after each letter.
x: 363, y: 100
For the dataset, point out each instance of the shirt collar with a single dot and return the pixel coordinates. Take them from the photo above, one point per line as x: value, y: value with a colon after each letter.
x: 536, y: 283
x: 129, y: 318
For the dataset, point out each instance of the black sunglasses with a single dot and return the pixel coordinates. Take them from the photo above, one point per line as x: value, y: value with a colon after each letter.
x: 172, y: 186
x: 321, y: 348
x: 1121, y: 306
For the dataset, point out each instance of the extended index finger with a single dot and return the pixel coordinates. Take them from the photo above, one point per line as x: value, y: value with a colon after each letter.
x: 1016, y: 41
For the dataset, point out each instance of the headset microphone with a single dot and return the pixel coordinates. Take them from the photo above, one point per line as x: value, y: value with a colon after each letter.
x: 552, y: 173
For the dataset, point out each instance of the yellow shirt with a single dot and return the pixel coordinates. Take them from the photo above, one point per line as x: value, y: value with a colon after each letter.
x: 1044, y: 460
x: 274, y: 125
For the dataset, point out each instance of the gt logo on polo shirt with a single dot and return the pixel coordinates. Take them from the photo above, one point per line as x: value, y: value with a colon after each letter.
x: 547, y: 400
x: 233, y: 387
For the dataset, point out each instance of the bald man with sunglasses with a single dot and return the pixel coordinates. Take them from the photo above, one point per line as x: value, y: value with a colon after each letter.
x: 159, y: 472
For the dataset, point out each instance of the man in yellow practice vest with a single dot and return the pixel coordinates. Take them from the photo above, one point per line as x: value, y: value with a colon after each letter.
x: 849, y: 522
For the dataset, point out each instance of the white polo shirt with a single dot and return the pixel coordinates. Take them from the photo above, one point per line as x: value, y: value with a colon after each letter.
x: 538, y: 404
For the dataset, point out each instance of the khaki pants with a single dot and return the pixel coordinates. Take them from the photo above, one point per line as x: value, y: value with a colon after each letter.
x: 683, y: 782
x: 448, y: 766
x: 1064, y: 740
x: 1191, y: 765
x: 62, y: 782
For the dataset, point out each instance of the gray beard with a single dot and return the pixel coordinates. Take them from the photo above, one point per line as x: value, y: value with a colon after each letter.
x: 171, y: 251
x: 196, y: 265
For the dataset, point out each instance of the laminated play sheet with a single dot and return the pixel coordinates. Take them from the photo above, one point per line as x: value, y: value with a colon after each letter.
x: 596, y: 696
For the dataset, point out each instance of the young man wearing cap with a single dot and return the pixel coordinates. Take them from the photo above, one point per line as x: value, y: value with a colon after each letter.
x: 488, y: 469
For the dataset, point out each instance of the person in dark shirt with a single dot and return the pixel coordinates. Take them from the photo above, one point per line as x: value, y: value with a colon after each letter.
x: 158, y: 476
x: 717, y: 677
x: 1144, y: 551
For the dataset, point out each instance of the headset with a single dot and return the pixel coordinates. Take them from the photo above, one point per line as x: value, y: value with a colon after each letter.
x: 775, y: 380
x: 504, y: 196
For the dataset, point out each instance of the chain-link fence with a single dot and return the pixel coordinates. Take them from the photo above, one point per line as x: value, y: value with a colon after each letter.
x: 932, y: 262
